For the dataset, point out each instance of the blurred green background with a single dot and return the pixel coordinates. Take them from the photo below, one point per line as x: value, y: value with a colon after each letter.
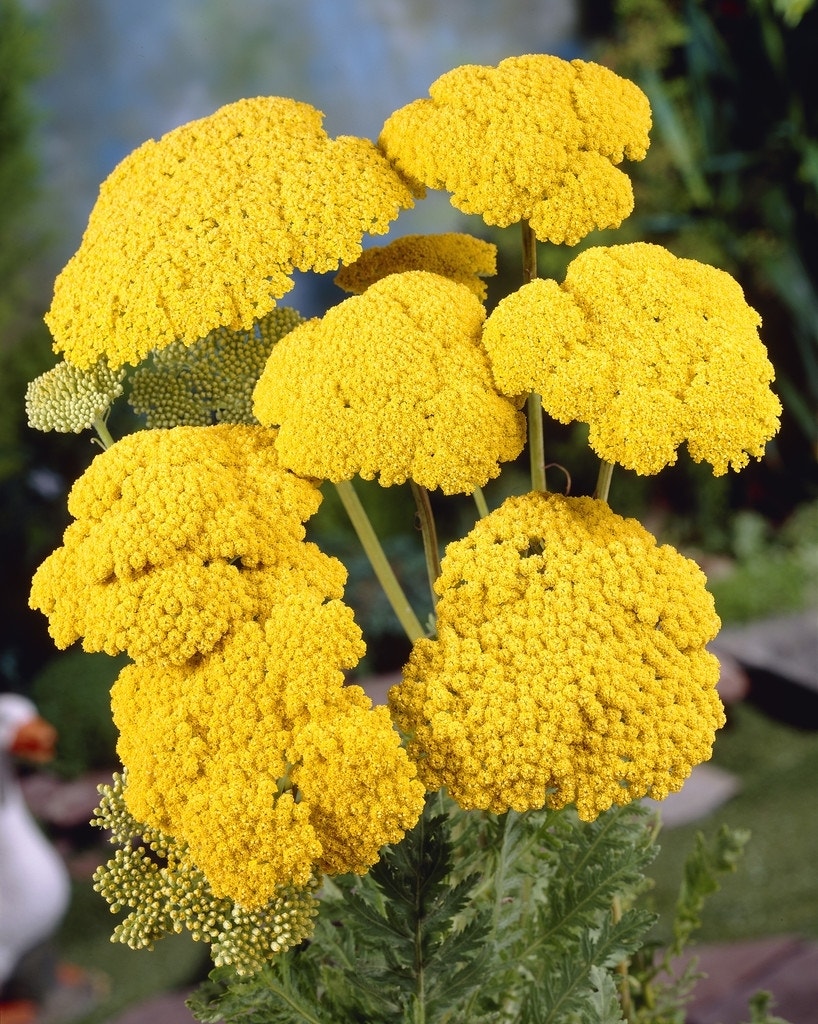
x: 731, y: 178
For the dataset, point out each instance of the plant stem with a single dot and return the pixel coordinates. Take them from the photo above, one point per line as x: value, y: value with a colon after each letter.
x: 603, y: 483
x: 480, y: 502
x: 381, y: 567
x: 536, y: 442
x: 427, y: 528
x: 622, y: 967
x: 102, y: 431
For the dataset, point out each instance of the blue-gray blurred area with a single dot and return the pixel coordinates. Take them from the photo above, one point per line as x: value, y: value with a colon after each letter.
x: 119, y: 72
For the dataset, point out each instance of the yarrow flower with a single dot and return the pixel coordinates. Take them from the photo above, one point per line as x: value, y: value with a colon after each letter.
x: 211, y: 381
x: 569, y: 665
x: 70, y: 399
x: 261, y: 760
x: 535, y: 138
x: 461, y: 258
x: 180, y: 535
x: 393, y: 383
x: 203, y: 228
x: 165, y: 892
x: 648, y: 349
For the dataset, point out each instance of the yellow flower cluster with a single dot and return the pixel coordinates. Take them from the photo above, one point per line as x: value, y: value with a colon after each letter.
x: 180, y: 536
x: 461, y: 258
x: 536, y: 138
x: 166, y: 892
x: 569, y: 665
x: 393, y: 383
x: 211, y: 381
x: 69, y: 399
x: 271, y: 769
x: 203, y: 228
x: 648, y: 349
x: 238, y: 734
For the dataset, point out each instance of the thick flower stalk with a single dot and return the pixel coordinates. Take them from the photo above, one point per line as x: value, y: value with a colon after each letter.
x: 203, y: 228
x: 461, y: 258
x: 650, y: 350
x: 569, y: 665
x: 69, y: 399
x: 179, y: 537
x: 153, y: 876
x: 392, y: 384
x: 210, y: 381
x: 261, y: 760
x: 535, y: 138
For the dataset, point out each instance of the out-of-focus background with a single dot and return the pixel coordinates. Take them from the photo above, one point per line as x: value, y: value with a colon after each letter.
x: 731, y: 179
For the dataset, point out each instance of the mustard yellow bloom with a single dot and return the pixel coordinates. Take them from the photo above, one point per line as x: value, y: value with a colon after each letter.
x: 535, y: 138
x: 393, y: 383
x: 648, y: 349
x: 69, y: 399
x: 180, y: 535
x: 461, y: 258
x: 203, y: 228
x: 210, y: 381
x: 259, y: 758
x: 165, y: 892
x: 569, y: 665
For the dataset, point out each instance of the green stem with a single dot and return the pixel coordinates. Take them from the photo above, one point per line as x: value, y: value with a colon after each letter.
x: 380, y: 565
x: 480, y: 502
x: 102, y: 431
x: 536, y: 441
x: 622, y: 967
x: 427, y: 528
x: 603, y: 483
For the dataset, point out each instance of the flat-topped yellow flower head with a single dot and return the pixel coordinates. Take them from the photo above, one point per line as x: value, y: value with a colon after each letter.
x: 179, y: 536
x: 569, y: 665
x: 650, y: 350
x: 261, y: 760
x: 536, y: 138
x: 203, y: 228
x: 393, y: 383
x: 461, y: 258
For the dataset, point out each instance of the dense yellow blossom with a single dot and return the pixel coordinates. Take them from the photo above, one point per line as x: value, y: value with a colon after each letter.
x: 180, y: 535
x: 535, y: 138
x: 461, y: 258
x: 393, y: 383
x: 69, y: 399
x: 210, y: 381
x: 165, y: 892
x: 648, y: 349
x: 569, y: 665
x: 261, y: 760
x: 203, y: 228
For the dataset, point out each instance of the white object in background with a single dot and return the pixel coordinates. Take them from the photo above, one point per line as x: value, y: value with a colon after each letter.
x: 34, y: 883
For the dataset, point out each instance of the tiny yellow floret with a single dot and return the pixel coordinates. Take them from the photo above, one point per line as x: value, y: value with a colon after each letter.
x: 462, y: 258
x: 203, y: 228
x: 393, y: 383
x: 536, y: 138
x: 650, y: 350
x: 569, y: 665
